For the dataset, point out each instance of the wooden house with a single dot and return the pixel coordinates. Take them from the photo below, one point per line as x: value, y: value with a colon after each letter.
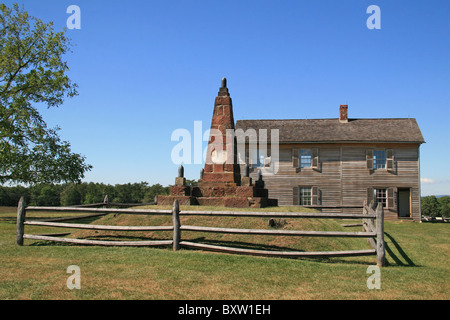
x: 336, y: 164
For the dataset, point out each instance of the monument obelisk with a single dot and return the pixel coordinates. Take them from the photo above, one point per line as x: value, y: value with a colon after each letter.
x: 221, y: 167
x: 221, y: 183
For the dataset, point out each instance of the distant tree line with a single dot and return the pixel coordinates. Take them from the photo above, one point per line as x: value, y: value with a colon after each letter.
x: 436, y: 207
x: 81, y: 193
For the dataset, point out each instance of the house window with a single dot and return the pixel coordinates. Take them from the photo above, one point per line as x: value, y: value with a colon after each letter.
x: 379, y: 159
x: 305, y: 158
x: 304, y: 196
x: 380, y: 196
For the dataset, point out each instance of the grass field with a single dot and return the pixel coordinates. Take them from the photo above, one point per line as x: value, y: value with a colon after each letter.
x: 417, y: 256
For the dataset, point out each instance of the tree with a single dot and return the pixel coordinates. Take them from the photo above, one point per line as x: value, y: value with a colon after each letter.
x: 33, y: 73
x: 130, y: 192
x: 9, y: 196
x: 93, y: 193
x: 444, y: 205
x: 70, y: 195
x: 430, y: 206
x: 122, y: 193
x: 45, y: 195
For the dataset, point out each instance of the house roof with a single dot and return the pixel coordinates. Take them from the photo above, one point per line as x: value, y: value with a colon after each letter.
x: 332, y: 130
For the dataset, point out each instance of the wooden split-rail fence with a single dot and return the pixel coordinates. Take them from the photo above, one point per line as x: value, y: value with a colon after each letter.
x: 373, y: 230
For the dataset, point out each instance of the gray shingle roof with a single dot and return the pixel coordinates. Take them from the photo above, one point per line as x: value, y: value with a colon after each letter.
x: 331, y: 130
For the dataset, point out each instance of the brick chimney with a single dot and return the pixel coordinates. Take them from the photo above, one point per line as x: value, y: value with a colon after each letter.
x: 343, y: 113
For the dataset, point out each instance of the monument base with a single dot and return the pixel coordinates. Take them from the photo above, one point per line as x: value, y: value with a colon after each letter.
x: 182, y: 200
x: 210, y: 194
x: 231, y: 202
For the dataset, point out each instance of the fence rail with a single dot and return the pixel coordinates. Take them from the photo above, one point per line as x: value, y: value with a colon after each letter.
x: 98, y: 227
x: 373, y: 222
x: 278, y: 253
x: 101, y: 210
x: 106, y: 203
x: 99, y: 242
x: 281, y: 232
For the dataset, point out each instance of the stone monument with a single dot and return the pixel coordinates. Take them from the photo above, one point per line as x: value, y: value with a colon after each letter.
x: 221, y: 183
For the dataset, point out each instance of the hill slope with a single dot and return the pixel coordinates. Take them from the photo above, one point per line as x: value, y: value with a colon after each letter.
x: 261, y: 242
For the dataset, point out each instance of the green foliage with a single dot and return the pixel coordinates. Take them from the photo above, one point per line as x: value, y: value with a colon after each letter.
x: 436, y: 207
x: 9, y: 196
x: 45, y: 195
x: 430, y: 206
x: 155, y: 190
x: 81, y: 193
x: 94, y: 192
x: 130, y: 193
x: 444, y: 206
x: 33, y: 72
x: 70, y: 195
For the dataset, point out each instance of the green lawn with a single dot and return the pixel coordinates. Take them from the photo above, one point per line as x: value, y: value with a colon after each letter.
x: 417, y: 256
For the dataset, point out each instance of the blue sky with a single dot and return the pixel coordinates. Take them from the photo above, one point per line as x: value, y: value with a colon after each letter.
x: 146, y: 68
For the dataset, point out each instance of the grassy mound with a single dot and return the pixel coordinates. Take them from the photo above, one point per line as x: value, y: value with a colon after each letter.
x: 260, y: 242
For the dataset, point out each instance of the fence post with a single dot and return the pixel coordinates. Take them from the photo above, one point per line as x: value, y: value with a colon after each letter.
x: 106, y: 202
x: 20, y: 219
x: 380, y: 236
x: 364, y: 221
x: 176, y: 225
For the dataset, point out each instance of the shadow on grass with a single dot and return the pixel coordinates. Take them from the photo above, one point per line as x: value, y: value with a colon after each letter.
x: 248, y: 245
x: 234, y: 244
x: 11, y: 220
x: 87, y: 220
x: 245, y: 245
x: 390, y: 253
x: 242, y: 245
x: 97, y: 237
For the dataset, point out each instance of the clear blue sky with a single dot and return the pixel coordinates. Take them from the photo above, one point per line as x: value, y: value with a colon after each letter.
x: 146, y: 68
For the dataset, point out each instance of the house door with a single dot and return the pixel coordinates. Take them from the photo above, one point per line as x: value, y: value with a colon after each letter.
x: 404, y: 202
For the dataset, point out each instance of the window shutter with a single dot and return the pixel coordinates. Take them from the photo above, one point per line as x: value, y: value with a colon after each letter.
x: 370, y: 199
x: 295, y: 162
x: 315, y: 196
x: 390, y: 160
x: 315, y: 158
x: 369, y: 159
x: 390, y: 198
x: 295, y: 199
